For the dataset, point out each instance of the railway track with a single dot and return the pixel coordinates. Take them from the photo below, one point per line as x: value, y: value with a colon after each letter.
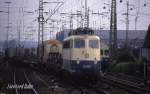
x: 25, y: 81
x: 129, y: 86
x: 21, y: 79
x: 70, y: 86
x: 128, y: 77
x: 22, y: 84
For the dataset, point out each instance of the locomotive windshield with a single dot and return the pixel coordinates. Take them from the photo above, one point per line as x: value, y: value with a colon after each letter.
x: 93, y: 43
x: 68, y: 44
x: 79, y: 43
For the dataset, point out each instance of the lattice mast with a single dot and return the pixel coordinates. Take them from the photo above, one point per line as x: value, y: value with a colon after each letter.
x: 113, y: 31
x: 40, y: 32
x: 86, y: 23
x: 127, y: 24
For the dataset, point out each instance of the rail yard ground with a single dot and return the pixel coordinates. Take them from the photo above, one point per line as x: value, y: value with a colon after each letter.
x: 20, y: 79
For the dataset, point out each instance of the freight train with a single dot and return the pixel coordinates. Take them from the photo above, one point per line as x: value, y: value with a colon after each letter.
x: 20, y: 53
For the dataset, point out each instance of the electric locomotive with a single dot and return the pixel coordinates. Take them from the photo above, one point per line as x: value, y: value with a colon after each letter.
x: 81, y: 52
x: 52, y: 51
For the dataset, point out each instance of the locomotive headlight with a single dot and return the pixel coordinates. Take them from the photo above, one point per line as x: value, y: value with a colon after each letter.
x: 78, y: 62
x: 86, y: 55
x: 95, y: 61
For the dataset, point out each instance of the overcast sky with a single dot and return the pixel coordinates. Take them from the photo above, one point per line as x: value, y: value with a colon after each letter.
x: 19, y: 9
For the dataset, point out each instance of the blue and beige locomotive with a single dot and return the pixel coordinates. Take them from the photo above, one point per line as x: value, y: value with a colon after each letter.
x: 81, y: 52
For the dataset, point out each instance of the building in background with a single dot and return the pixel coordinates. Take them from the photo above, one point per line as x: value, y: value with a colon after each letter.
x: 136, y: 38
x: 146, y: 47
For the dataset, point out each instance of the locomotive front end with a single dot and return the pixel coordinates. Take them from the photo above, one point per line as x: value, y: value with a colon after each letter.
x: 86, y: 55
x: 83, y: 56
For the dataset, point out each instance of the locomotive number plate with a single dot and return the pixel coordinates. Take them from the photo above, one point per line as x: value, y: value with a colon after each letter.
x: 86, y: 66
x: 86, y: 55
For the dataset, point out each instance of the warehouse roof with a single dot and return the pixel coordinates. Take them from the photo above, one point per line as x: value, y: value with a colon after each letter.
x: 104, y: 34
x: 52, y: 42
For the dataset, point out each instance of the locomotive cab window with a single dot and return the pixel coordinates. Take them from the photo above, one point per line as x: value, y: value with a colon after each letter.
x: 101, y: 52
x: 79, y: 43
x: 94, y: 43
x: 68, y: 44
